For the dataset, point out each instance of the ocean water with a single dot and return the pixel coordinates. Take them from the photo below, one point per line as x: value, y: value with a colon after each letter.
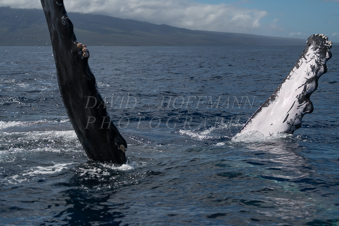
x: 178, y: 108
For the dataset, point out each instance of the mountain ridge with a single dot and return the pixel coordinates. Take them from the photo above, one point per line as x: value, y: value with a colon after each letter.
x: 28, y: 27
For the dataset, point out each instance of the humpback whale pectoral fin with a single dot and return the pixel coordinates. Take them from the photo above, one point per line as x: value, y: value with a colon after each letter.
x: 77, y: 83
x: 284, y: 110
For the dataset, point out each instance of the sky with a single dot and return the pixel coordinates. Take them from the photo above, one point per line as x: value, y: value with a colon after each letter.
x: 280, y: 18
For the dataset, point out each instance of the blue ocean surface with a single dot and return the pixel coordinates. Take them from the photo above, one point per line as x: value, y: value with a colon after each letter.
x: 178, y: 108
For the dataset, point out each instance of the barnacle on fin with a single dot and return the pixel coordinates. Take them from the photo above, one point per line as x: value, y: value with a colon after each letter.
x: 122, y: 148
x: 79, y: 45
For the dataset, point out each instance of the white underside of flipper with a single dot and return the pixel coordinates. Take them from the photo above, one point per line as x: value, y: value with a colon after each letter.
x: 283, y: 111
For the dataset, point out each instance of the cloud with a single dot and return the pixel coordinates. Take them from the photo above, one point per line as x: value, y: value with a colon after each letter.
x: 179, y: 13
x: 274, y: 25
x: 20, y: 3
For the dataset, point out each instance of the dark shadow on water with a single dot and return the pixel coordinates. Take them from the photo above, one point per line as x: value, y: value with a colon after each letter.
x: 84, y: 208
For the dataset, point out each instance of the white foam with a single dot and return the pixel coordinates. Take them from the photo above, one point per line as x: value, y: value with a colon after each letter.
x: 124, y: 167
x: 9, y: 124
x: 101, y: 84
x: 220, y: 144
x: 197, y: 135
x: 42, y: 170
x: 35, y: 171
x: 4, y: 125
x: 16, y: 179
x: 37, y: 136
x: 23, y: 85
x: 205, y: 134
x: 105, y: 169
x: 68, y: 135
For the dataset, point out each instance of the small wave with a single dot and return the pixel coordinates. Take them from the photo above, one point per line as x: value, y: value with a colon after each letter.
x: 220, y: 144
x: 207, y: 133
x: 23, y: 85
x: 101, y: 84
x: 16, y: 179
x: 35, y: 171
x: 9, y: 124
x: 197, y: 135
x: 20, y: 145
x: 7, y: 80
x: 124, y: 167
x: 41, y: 170
x: 31, y: 126
x: 68, y: 135
x: 4, y: 125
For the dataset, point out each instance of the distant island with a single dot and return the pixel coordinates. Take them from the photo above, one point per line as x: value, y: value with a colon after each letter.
x: 27, y: 27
